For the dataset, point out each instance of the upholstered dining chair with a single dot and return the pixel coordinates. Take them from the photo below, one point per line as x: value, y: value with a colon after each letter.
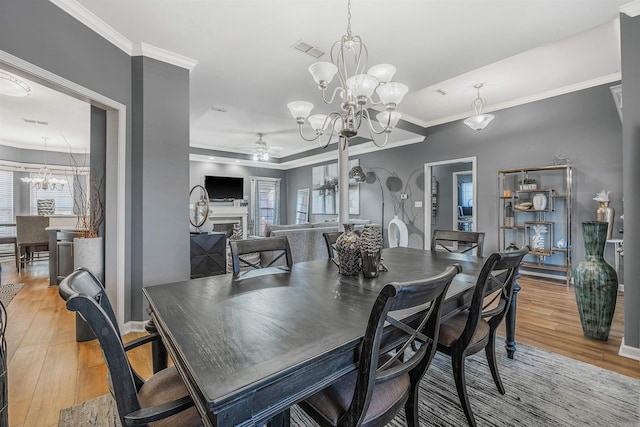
x: 273, y: 248
x: 474, y: 329
x: 470, y: 240
x: 31, y: 236
x: 388, y: 377
x: 163, y: 398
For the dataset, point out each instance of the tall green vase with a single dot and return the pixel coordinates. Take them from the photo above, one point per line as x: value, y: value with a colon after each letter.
x: 596, y: 283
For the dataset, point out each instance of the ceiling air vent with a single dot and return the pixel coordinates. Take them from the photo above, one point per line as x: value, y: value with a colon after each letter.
x: 35, y: 122
x: 310, y: 50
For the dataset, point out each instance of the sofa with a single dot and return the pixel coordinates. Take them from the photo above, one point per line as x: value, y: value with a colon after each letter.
x: 306, y: 240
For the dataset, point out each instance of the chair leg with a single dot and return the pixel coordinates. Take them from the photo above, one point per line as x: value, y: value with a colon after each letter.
x: 457, y: 361
x: 411, y: 407
x: 490, y: 351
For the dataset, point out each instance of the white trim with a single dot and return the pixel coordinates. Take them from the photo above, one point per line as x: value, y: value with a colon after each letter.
x: 111, y: 106
x: 107, y: 32
x: 631, y: 9
x: 144, y: 49
x: 132, y: 326
x: 526, y: 272
x: 609, y: 78
x: 621, y: 287
x: 85, y: 16
x: 628, y: 351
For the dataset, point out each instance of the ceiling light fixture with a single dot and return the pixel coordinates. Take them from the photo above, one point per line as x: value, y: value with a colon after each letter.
x: 12, y: 86
x: 261, y: 151
x: 479, y: 121
x: 349, y: 58
x: 43, y: 180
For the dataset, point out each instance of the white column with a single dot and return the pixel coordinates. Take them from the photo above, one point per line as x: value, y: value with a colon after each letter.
x: 343, y: 181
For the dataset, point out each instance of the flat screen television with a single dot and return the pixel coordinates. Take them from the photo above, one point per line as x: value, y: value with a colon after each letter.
x: 224, y: 187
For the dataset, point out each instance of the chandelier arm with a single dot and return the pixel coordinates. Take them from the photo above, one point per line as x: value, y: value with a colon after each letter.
x: 361, y: 60
x: 372, y: 128
x: 305, y: 138
x: 333, y: 95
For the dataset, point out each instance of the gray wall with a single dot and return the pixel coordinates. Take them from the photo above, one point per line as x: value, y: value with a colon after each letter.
x: 160, y: 178
x: 584, y: 125
x: 630, y: 34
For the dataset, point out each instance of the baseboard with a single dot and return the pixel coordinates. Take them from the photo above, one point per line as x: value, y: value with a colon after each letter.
x: 628, y: 351
x: 133, y: 326
x: 621, y: 287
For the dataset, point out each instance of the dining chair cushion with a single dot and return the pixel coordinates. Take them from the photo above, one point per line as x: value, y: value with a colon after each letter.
x: 451, y: 329
x: 333, y: 401
x: 165, y: 386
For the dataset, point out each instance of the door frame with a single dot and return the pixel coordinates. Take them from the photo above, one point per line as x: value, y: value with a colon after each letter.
x: 428, y: 169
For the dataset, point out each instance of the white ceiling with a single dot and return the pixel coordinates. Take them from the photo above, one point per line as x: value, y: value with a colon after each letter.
x: 521, y: 51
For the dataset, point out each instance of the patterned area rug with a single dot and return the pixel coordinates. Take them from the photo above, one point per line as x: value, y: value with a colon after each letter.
x: 8, y: 291
x: 543, y: 389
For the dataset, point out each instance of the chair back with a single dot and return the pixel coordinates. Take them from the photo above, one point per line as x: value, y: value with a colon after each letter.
x: 279, y: 246
x: 30, y: 230
x: 330, y: 239
x: 382, y: 353
x: 492, y: 294
x: 470, y: 239
x: 84, y: 294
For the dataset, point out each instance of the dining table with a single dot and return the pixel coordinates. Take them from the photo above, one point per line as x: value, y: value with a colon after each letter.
x: 250, y: 345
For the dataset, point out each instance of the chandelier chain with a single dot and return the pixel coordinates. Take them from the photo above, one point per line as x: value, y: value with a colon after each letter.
x: 349, y: 18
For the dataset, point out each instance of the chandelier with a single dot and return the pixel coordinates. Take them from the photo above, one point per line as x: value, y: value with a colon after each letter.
x: 479, y: 121
x: 43, y: 180
x: 354, y: 92
x: 12, y: 86
x: 261, y: 151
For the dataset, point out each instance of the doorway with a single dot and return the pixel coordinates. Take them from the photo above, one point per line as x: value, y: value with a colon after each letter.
x: 439, y: 184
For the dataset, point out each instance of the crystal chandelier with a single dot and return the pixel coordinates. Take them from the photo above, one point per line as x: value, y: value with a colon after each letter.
x: 354, y: 92
x: 43, y: 180
x: 261, y: 151
x: 479, y: 121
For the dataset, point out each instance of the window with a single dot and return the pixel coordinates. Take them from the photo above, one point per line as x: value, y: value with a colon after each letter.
x: 466, y: 194
x: 265, y: 203
x: 6, y: 201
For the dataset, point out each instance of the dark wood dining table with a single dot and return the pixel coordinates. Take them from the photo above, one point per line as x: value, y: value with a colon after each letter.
x: 250, y: 346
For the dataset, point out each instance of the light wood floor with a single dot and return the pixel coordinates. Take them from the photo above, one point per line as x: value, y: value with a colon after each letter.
x: 49, y: 371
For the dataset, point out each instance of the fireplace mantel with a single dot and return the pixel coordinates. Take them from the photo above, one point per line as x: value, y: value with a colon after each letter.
x: 224, y: 214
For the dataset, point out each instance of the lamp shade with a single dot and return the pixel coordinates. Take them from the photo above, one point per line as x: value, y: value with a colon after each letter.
x: 362, y: 85
x: 383, y: 72
x: 392, y: 93
x: 383, y: 119
x: 323, y: 72
x: 300, y: 109
x: 479, y: 122
x: 318, y: 122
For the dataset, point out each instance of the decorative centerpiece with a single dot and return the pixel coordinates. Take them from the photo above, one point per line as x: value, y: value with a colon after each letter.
x: 348, y: 248
x: 596, y: 283
x: 539, y: 202
x: 604, y: 212
x: 370, y: 249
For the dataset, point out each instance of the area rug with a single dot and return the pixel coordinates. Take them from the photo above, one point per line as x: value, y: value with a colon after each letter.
x: 543, y: 389
x: 8, y: 291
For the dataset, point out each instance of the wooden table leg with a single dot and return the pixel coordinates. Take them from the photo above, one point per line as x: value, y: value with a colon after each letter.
x: 510, y: 342
x: 280, y: 420
x: 159, y: 355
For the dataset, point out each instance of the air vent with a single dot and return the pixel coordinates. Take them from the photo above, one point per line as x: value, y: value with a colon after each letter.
x: 218, y: 109
x: 35, y: 122
x: 309, y: 49
x: 441, y: 92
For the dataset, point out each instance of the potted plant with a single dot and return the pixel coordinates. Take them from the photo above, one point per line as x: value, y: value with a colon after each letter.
x: 528, y: 184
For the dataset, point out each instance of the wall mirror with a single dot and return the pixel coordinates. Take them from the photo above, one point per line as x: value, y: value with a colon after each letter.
x: 302, y: 206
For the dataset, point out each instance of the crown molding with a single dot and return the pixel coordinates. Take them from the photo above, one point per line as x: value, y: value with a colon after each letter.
x: 85, y: 16
x: 104, y: 30
x: 144, y: 49
x: 631, y: 9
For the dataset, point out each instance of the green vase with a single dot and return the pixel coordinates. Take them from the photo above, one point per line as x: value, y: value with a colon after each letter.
x: 596, y: 283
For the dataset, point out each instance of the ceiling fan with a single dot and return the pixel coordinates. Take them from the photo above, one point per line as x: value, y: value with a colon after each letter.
x: 261, y: 151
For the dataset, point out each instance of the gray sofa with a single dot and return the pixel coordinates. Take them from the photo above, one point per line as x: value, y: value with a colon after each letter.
x: 306, y: 240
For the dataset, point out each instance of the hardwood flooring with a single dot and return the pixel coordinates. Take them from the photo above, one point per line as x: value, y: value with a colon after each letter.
x: 49, y: 371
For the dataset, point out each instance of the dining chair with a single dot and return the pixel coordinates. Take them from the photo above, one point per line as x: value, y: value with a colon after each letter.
x: 10, y: 239
x: 388, y: 376
x: 474, y: 329
x: 163, y: 398
x: 470, y: 240
x: 31, y: 236
x: 330, y: 239
x: 277, y: 247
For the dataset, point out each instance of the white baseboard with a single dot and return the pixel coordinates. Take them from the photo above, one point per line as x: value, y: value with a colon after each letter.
x: 628, y: 351
x: 621, y: 287
x: 133, y: 326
